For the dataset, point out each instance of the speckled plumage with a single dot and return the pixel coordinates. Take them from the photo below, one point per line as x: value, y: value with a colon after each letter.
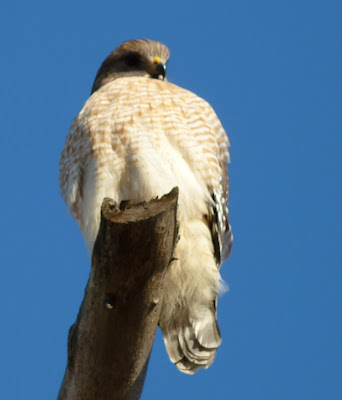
x: 137, y: 138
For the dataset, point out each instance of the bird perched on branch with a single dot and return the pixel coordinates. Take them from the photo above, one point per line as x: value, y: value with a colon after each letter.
x: 137, y: 137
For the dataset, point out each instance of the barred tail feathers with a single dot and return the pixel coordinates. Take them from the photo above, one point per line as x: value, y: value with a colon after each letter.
x: 191, y: 338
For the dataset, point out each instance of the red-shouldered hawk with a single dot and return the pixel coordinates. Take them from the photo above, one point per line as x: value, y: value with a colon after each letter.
x: 137, y: 137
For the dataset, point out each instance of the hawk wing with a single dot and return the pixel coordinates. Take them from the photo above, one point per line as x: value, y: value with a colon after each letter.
x: 218, y: 215
x: 71, y: 169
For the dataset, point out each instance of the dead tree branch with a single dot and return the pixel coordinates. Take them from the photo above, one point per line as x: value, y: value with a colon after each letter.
x: 110, y: 343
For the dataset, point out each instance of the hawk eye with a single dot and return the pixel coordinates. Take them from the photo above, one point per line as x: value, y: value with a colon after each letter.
x: 132, y: 60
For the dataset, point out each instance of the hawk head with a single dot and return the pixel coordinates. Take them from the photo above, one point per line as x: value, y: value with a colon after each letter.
x: 133, y: 58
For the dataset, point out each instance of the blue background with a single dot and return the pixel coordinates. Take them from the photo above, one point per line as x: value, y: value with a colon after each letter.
x: 272, y: 72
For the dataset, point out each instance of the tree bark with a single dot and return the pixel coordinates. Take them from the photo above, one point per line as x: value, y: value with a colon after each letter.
x: 110, y: 343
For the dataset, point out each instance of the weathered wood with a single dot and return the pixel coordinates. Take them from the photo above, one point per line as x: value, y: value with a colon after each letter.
x: 110, y: 343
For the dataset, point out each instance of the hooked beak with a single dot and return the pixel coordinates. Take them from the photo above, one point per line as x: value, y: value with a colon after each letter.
x: 157, y: 68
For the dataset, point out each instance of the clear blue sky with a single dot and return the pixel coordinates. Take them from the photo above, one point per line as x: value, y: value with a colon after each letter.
x: 272, y: 72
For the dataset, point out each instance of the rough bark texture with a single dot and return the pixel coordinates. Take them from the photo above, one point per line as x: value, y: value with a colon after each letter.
x: 110, y: 343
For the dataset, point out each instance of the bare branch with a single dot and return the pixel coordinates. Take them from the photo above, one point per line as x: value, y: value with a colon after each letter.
x: 110, y: 343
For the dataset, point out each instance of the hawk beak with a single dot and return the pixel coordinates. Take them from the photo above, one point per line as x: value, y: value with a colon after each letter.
x: 157, y: 68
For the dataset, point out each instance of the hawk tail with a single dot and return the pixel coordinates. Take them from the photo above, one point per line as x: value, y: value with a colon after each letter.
x: 191, y: 338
